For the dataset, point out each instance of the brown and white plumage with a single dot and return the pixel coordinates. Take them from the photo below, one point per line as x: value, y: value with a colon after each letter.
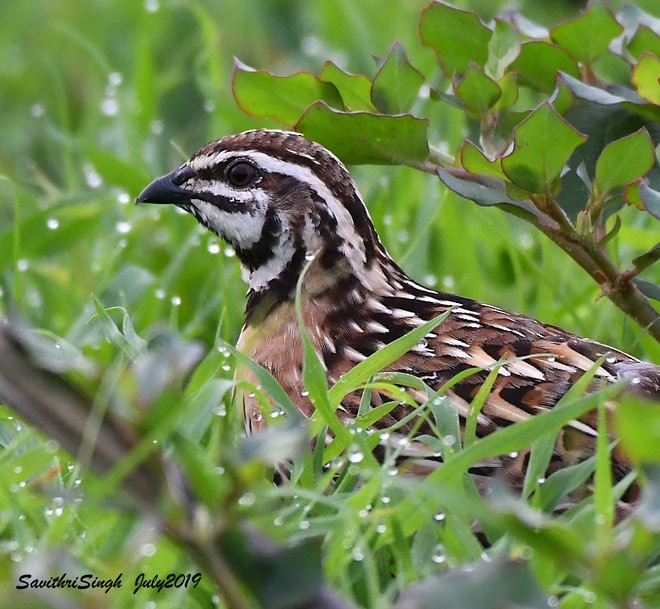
x: 277, y: 197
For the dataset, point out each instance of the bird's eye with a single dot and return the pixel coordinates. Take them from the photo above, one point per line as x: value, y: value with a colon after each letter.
x: 241, y: 174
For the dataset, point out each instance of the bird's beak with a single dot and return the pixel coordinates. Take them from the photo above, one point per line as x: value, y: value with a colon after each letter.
x: 167, y: 189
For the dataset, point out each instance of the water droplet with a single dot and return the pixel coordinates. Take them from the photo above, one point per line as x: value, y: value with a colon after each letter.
x: 355, y: 455
x: 514, y: 454
x: 53, y: 223
x: 358, y: 554
x: 552, y: 358
x: 148, y: 549
x: 123, y: 198
x: 226, y: 367
x: 309, y: 256
x: 430, y: 280
x: 209, y: 106
x: 92, y: 177
x: 541, y: 479
x: 449, y: 440
x: 229, y: 252
x: 110, y: 107
x: 175, y: 300
x: 160, y: 293
x: 448, y: 282
x: 403, y: 442
x: 246, y: 499
x: 403, y: 236
x: 384, y: 436
x: 38, y: 110
x: 276, y: 413
x: 304, y: 525
x: 156, y: 127
x: 385, y: 499
x: 123, y: 227
x: 257, y: 416
x: 381, y: 528
x: 636, y: 380
x: 611, y: 359
x: 423, y: 343
x: 220, y: 411
x: 392, y: 471
x: 439, y: 517
x: 525, y: 241
x: 213, y: 247
x: 151, y: 6
x: 439, y: 556
x: 387, y: 219
x: 304, y: 393
x: 22, y: 265
x: 278, y: 521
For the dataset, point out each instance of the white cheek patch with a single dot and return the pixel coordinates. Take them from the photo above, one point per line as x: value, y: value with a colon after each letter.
x: 241, y: 229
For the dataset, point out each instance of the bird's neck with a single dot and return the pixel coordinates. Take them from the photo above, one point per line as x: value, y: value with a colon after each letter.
x: 328, y: 277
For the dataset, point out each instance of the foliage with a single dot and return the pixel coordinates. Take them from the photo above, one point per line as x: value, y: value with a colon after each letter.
x: 123, y: 302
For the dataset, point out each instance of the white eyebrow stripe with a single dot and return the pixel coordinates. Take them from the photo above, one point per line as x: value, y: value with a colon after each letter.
x: 206, y: 161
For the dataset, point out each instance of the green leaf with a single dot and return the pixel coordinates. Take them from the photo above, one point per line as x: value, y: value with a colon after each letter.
x: 503, y: 48
x: 646, y: 77
x: 205, y: 481
x: 648, y: 258
x: 539, y: 62
x: 508, y: 84
x: 648, y: 288
x: 485, y: 585
x: 397, y: 82
x: 588, y: 35
x: 261, y: 94
x: 624, y: 160
x: 638, y: 426
x: 478, y: 92
x: 486, y: 191
x: 542, y: 144
x: 562, y: 482
x: 645, y: 39
x: 355, y: 89
x: 457, y: 37
x: 650, y: 199
x: 475, y: 161
x: 362, y: 137
x: 603, y: 481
